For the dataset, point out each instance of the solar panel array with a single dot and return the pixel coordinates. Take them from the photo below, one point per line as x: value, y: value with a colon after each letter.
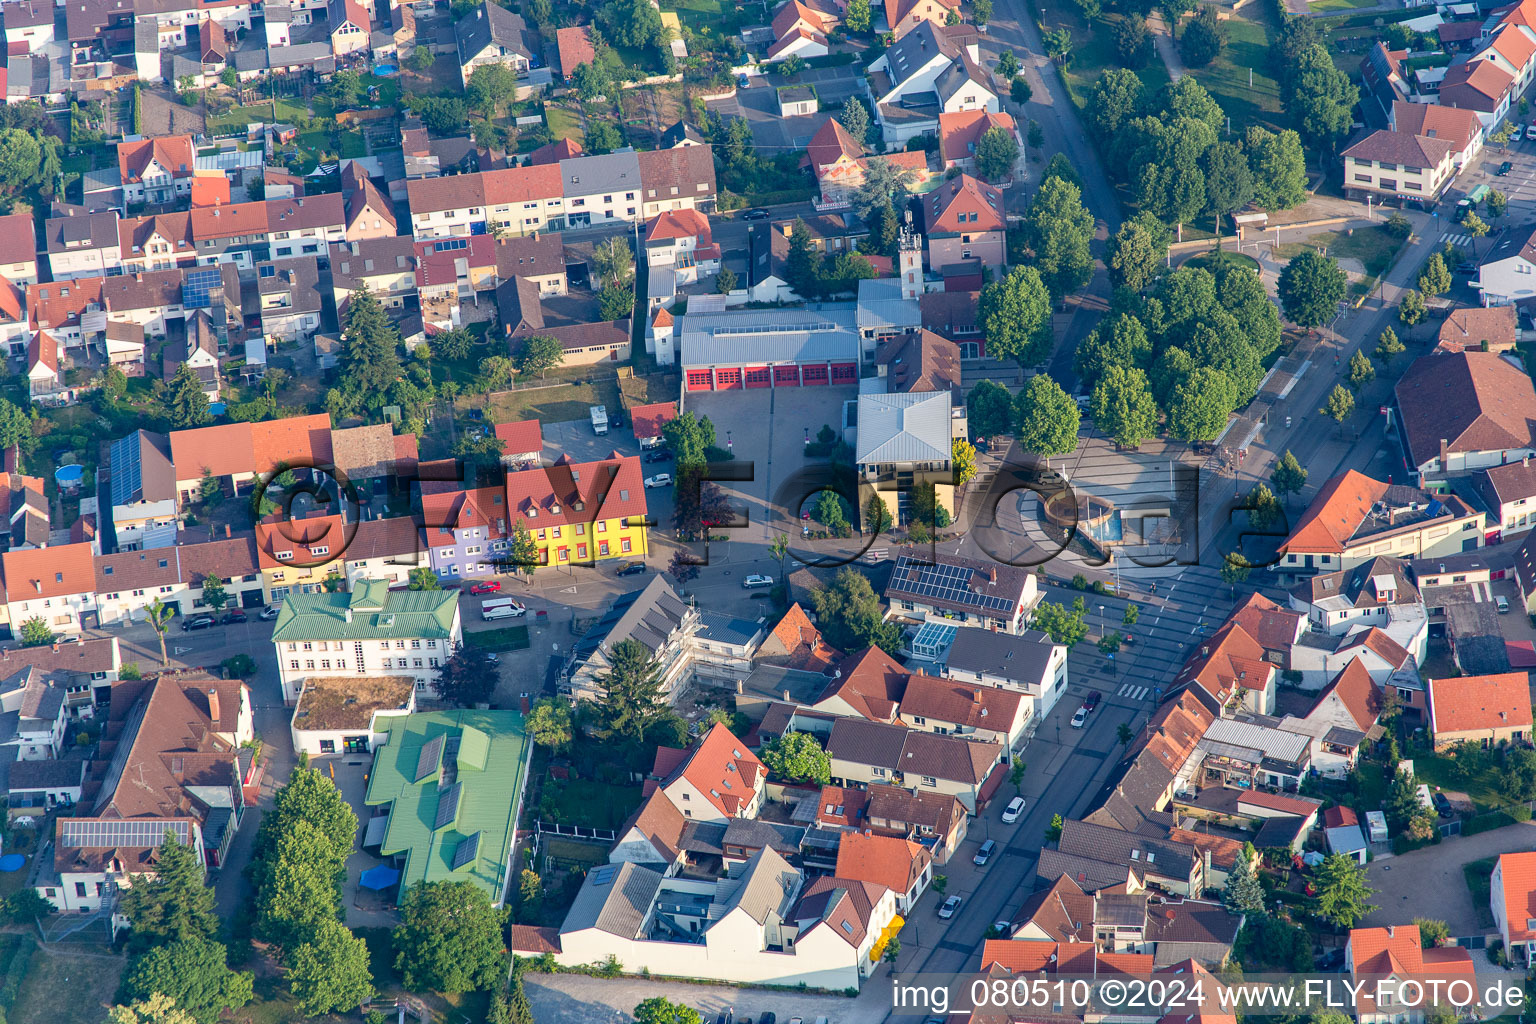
x: 448, y: 805
x: 126, y: 469
x: 197, y: 287
x: 450, y: 245
x: 431, y: 757
x: 267, y: 271
x: 951, y: 583
x: 96, y: 833
x: 467, y: 850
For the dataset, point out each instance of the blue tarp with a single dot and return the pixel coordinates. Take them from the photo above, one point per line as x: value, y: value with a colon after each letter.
x: 380, y: 877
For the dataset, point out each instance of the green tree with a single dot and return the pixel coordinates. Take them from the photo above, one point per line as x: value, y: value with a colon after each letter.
x: 157, y: 1009
x: 549, y: 723
x: 422, y: 59
x: 689, y: 438
x: 1016, y: 769
x: 1475, y: 226
x: 1131, y: 41
x: 1311, y: 287
x: 1228, y: 180
x: 615, y: 262
x: 997, y: 152
x: 467, y: 677
x: 1498, y: 202
x: 1288, y: 476
x: 330, y: 973
x: 1342, y: 898
x: 1119, y: 340
x: 346, y: 88
x: 214, y: 594
x: 299, y: 886
x: 1199, y: 405
x: 1203, y: 38
x: 491, y: 87
x: 172, y: 905
x: 1007, y: 65
x: 989, y: 409
x: 854, y: 116
x: 1320, y: 99
x: 523, y: 552
x: 1517, y: 778
x: 1136, y: 252
x: 308, y: 797
x: 1020, y: 92
x: 797, y: 757
x: 1046, y: 418
x: 963, y: 461
x: 631, y: 691
x: 1058, y: 229
x: 35, y: 632
x: 658, y: 1010
x: 877, y: 517
x: 369, y: 362
x: 192, y: 972
x: 1058, y: 46
x: 830, y: 511
x: 185, y: 400
x: 1235, y: 569
x: 1340, y: 405
x: 539, y: 354
x: 1411, y: 309
x: 1034, y: 137
x: 449, y: 938
x: 1243, y: 893
x: 1064, y: 624
x: 1264, y: 509
x: 1015, y: 316
x: 1124, y: 734
x: 1054, y: 830
x: 725, y: 282
x: 1361, y: 372
x: 1116, y: 99
x: 1132, y: 613
x: 1436, y: 278
x: 1123, y: 406
x: 885, y: 184
x: 1432, y: 932
x: 423, y: 578
x: 850, y: 615
x: 158, y: 616
x: 1387, y: 346
x: 591, y: 80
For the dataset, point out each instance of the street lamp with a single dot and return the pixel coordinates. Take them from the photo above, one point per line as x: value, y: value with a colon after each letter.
x: 731, y: 447
x: 1103, y: 623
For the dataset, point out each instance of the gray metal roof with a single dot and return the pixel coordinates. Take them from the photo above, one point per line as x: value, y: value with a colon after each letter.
x: 912, y: 52
x: 767, y: 886
x: 1024, y: 658
x: 724, y: 629
x: 910, y: 427
x: 609, y: 172
x: 739, y: 336
x: 614, y: 898
x: 649, y: 616
x: 881, y: 305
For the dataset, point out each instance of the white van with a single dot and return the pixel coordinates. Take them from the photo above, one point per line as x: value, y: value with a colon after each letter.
x: 506, y: 611
x: 500, y: 602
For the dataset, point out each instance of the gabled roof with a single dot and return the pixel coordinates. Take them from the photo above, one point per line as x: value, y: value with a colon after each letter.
x: 1469, y: 327
x: 960, y: 131
x: 963, y: 204
x: 1354, y: 688
x: 575, y: 46
x: 871, y: 682
x: 1472, y: 401
x: 577, y: 492
x: 661, y: 823
x: 791, y: 13
x: 1229, y: 661
x: 475, y: 507
x: 521, y: 436
x: 173, y: 153
x: 1518, y: 873
x: 647, y: 420
x: 674, y: 224
x: 969, y: 705
x: 894, y: 863
x: 554, y: 152
x: 1416, y: 151
x: 370, y: 612
x: 1476, y: 703
x: 55, y: 571
x: 831, y: 143
x: 1458, y: 127
x: 796, y: 643
x: 1476, y: 85
x: 1335, y: 513
x: 491, y: 24
x: 723, y: 769
x: 919, y: 361
x: 1062, y: 910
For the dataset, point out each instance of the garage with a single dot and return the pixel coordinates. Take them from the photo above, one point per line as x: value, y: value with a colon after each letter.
x: 786, y: 376
x: 758, y: 377
x: 700, y: 380
x: 743, y: 349
x: 728, y: 378
x: 813, y: 375
x: 845, y: 373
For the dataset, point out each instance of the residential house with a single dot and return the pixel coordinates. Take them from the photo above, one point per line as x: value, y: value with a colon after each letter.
x: 1318, y: 657
x: 88, y: 860
x: 1512, y: 898
x: 14, y: 333
x: 523, y: 443
x: 24, y: 515
x: 18, y: 249
x: 39, y: 787
x: 1341, y: 720
x: 952, y: 315
x: 905, y: 441
x: 385, y: 266
x: 1488, y: 710
x: 82, y: 245
x: 87, y: 669
x: 1382, y: 959
x: 952, y: 708
x: 492, y: 34
x: 926, y: 73
x: 1354, y: 518
x: 1461, y: 128
x: 1029, y: 663
x: 31, y: 714
x: 1461, y: 412
x: 960, y: 591
x: 240, y: 453
x: 56, y: 584
x: 368, y: 211
x: 716, y: 779
x: 1399, y: 165
x: 538, y: 257
x: 963, y: 220
x: 1099, y: 857
x: 521, y: 313
x: 127, y: 582
x: 799, y: 31
x: 28, y: 23
x: 1375, y: 593
x: 574, y: 45
x: 302, y: 225
x: 581, y: 513
x: 156, y: 171
x: 347, y: 714
x: 1478, y: 329
x: 1505, y: 276
x: 680, y: 240
x: 349, y: 25
x: 299, y: 556
x: 198, y: 351
x: 867, y: 684
x: 903, y: 866
x: 937, y: 821
x: 652, y: 837
x: 1231, y: 672
x: 447, y: 787
x: 143, y: 494
x: 961, y: 132
x: 386, y: 548
x: 371, y: 630
x: 45, y: 382
x: 466, y: 532
x: 904, y: 15
x: 863, y: 752
x: 840, y: 163
x: 653, y: 616
x: 289, y: 295
x: 1477, y: 85
x: 647, y: 421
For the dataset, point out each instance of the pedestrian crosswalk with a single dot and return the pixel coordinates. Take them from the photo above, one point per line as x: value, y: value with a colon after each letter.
x: 1456, y: 240
x: 1132, y: 691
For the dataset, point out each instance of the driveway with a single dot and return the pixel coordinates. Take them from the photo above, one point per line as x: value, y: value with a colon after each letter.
x: 577, y: 999
x: 1429, y: 883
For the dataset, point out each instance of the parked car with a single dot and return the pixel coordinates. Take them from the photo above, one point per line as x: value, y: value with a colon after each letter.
x: 1443, y: 805
x: 985, y: 853
x: 1331, y: 961
x: 768, y: 1018
x: 232, y: 617
x: 657, y: 455
x: 1013, y: 810
x: 755, y: 215
x: 948, y: 907
x: 659, y: 480
x: 632, y: 569
x: 1502, y: 604
x: 1516, y: 134
x: 1080, y: 719
x: 269, y: 613
x: 486, y: 587
x: 754, y: 581
x: 1504, y: 168
x: 68, y: 638
x: 1092, y: 700
x: 197, y: 622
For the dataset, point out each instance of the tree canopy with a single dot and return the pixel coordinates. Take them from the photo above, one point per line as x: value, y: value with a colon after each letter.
x: 1311, y: 287
x: 850, y: 615
x: 449, y: 938
x: 1047, y: 418
x: 194, y: 973
x: 1015, y: 316
x: 797, y: 757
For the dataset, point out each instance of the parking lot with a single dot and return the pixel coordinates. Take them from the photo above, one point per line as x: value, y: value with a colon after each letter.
x: 577, y: 439
x: 1519, y: 185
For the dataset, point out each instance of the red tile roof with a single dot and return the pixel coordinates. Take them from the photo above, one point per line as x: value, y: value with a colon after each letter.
x: 33, y: 573
x: 871, y: 682
x: 1339, y: 817
x: 722, y: 768
x: 230, y: 221
x: 298, y: 539
x: 208, y: 189
x: 648, y: 420
x: 1476, y: 703
x: 894, y: 863
x: 1454, y: 125
x: 830, y: 143
x: 840, y: 807
x: 575, y: 46
x: 965, y: 704
x: 1358, y: 692
x: 1335, y: 513
x: 1467, y: 401
x: 673, y: 224
x: 979, y: 203
x: 521, y: 436
x: 798, y: 642
x: 1468, y: 328
x: 613, y: 488
x: 55, y: 304
x: 1517, y: 871
x: 1397, y: 951
x: 961, y: 131
x: 172, y: 152
x: 1229, y: 661
x: 560, y: 149
x: 462, y: 510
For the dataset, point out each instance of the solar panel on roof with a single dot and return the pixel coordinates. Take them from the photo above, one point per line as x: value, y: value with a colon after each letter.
x: 467, y: 850
x: 127, y: 470
x: 448, y: 805
x: 431, y: 757
x: 197, y: 285
x: 602, y: 874
x: 450, y: 245
x: 94, y: 833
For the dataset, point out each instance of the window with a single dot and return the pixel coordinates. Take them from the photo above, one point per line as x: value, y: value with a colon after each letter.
x: 624, y: 545
x: 310, y: 664
x: 308, y: 646
x: 602, y: 527
x: 327, y: 746
x: 878, y: 773
x: 293, y: 664
x: 929, y: 780
x: 415, y: 645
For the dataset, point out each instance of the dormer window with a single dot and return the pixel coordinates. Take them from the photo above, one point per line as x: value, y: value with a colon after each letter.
x: 284, y: 555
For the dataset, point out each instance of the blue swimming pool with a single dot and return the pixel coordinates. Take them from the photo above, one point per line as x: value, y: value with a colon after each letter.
x: 385, y: 70
x: 216, y: 408
x: 69, y: 476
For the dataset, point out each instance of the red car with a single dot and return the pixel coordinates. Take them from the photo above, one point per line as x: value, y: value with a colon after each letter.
x: 488, y: 587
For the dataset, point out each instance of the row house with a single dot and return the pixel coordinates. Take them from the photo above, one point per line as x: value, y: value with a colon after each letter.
x: 466, y: 532
x: 81, y: 244
x: 863, y: 752
x: 18, y: 249
x: 240, y: 453
x: 127, y: 582
x: 300, y: 556
x: 385, y: 266
x: 586, y: 190
x: 156, y: 171
x: 369, y: 631
x: 56, y: 584
x: 289, y: 294
x: 581, y: 512
x: 385, y: 549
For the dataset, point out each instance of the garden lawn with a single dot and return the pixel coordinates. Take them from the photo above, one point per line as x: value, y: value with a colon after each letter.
x: 1093, y: 51
x: 1226, y: 78
x: 1479, y: 874
x: 559, y: 404
x: 591, y: 803
x: 1441, y: 771
x: 511, y: 638
x: 65, y: 988
x: 1374, y: 247
x: 563, y: 123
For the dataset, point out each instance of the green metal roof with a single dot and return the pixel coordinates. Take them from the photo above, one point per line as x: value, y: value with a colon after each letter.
x: 483, y: 752
x: 370, y: 612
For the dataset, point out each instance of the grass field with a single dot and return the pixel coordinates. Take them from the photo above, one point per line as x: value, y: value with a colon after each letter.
x: 588, y: 802
x: 67, y: 988
x: 563, y: 123
x: 552, y: 405
x: 1226, y: 78
x: 511, y: 638
x: 1374, y: 247
x: 1212, y: 260
x: 1093, y: 50
x: 1441, y: 772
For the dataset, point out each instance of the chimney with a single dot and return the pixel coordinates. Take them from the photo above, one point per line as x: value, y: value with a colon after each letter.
x: 992, y: 574
x: 213, y: 705
x: 1444, y: 453
x: 786, y: 695
x: 226, y: 531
